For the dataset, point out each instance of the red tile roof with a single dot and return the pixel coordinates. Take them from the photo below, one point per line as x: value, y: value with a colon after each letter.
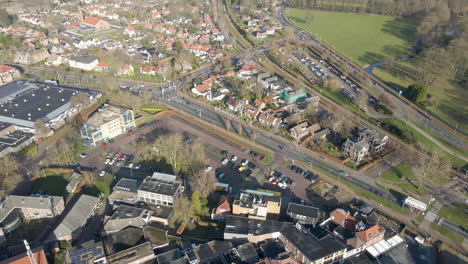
x: 103, y: 64
x: 91, y: 21
x: 5, y: 68
x: 370, y: 233
x: 224, y: 205
x: 38, y: 254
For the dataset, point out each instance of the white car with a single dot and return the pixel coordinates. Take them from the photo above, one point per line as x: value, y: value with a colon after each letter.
x: 102, y: 173
x: 130, y: 165
x: 244, y: 162
x: 83, y: 155
x: 107, y: 161
x: 111, y: 162
x: 224, y: 161
x: 208, y: 168
x: 234, y: 158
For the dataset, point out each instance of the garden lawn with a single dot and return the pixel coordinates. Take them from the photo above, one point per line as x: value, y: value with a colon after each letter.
x: 456, y: 214
x: 393, y: 177
x: 364, y: 38
x: 454, y: 236
x: 52, y: 184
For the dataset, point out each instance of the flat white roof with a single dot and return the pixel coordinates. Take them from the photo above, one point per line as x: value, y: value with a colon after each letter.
x: 415, y: 203
x: 384, y: 245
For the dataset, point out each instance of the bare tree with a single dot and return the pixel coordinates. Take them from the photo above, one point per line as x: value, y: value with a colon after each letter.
x: 171, y: 147
x: 430, y: 166
x: 205, y: 183
x: 183, y: 211
x: 41, y: 127
x: 193, y: 159
x: 228, y: 124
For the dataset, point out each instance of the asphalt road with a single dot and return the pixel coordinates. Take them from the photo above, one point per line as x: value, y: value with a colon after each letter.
x: 286, y: 150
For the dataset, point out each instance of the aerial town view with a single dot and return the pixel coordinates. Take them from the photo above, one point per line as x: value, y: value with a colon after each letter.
x: 233, y: 131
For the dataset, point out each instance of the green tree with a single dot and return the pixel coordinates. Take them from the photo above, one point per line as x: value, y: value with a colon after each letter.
x: 416, y: 92
x: 178, y: 46
x: 196, y: 203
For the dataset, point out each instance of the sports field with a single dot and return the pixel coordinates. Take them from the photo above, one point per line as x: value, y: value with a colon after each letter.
x: 364, y: 38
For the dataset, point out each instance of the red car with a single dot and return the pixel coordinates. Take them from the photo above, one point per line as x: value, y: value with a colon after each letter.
x: 130, y: 131
x: 103, y: 144
x: 40, y: 139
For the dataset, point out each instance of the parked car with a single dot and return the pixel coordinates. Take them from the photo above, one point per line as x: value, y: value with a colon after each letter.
x: 83, y: 155
x: 137, y: 166
x: 102, y: 173
x: 252, y: 165
x: 208, y: 168
x: 244, y: 162
x: 234, y: 158
x: 224, y: 161
x: 107, y: 161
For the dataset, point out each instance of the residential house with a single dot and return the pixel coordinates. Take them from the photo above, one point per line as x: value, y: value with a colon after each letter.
x: 251, y: 111
x: 259, y: 104
x: 322, y: 134
x: 125, y: 192
x: 159, y: 189
x: 262, y: 77
x: 247, y: 70
x: 268, y: 119
x: 102, y: 66
x: 96, y: 23
x: 108, y: 122
x: 203, y: 89
x: 217, y: 95
x: 30, y: 56
x: 76, y: 218
x: 56, y: 60
x: 83, y: 62
x: 125, y: 69
x: 234, y: 104
x: 355, y: 149
x: 303, y: 130
x: 374, y: 138
x: 344, y: 219
x: 223, y: 209
x: 303, y: 214
x: 367, y: 237
x: 8, y: 74
x: 149, y: 69
x: 210, y: 252
x: 257, y: 205
x: 130, y: 31
x: 16, y: 208
x: 88, y: 252
x: 38, y: 256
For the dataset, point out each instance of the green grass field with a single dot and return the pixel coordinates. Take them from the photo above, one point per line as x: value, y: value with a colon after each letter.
x: 393, y: 177
x: 450, y: 96
x: 365, y: 39
x: 456, y: 213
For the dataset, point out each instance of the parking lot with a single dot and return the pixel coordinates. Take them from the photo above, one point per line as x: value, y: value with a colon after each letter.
x: 232, y: 163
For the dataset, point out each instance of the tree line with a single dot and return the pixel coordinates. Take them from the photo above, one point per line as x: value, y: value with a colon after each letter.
x: 387, y: 7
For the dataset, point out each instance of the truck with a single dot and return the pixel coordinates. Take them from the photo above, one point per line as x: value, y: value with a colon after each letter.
x: 224, y: 187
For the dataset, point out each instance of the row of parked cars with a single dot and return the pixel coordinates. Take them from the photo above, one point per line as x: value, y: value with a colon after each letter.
x: 121, y: 160
x: 244, y: 167
x: 307, y: 174
x: 279, y: 179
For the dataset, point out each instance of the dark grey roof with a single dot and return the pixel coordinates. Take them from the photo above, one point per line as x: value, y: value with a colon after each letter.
x: 247, y: 252
x: 169, y: 257
x: 124, y: 239
x: 125, y: 211
x: 157, y: 236
x: 272, y: 249
x: 160, y: 211
x: 245, y: 226
x: 304, y: 210
x: 38, y: 202
x: 85, y: 253
x: 311, y: 246
x: 15, y: 139
x: 132, y: 254
x: 128, y: 185
x: 212, y: 249
x: 83, y: 59
x: 77, y: 216
x: 22, y: 103
x: 160, y: 187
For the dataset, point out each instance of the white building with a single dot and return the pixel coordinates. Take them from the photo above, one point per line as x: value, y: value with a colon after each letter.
x: 109, y: 122
x: 86, y: 63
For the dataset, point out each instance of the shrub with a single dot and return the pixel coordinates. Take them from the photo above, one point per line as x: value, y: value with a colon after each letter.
x: 383, y: 109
